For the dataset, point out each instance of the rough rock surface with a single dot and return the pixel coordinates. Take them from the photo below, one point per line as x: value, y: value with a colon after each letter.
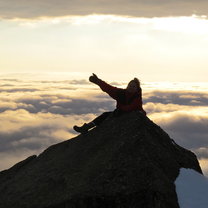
x: 127, y: 162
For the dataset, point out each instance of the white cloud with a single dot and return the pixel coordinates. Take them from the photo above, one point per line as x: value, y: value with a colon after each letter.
x: 140, y: 8
x: 179, y: 97
x: 35, y: 120
x: 188, y: 128
x: 24, y: 134
x: 204, y: 165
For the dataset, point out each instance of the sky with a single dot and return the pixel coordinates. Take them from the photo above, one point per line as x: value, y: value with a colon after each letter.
x: 157, y: 40
x: 191, y: 189
x: 48, y: 49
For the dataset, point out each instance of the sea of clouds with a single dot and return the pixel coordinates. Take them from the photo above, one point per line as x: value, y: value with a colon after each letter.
x: 35, y: 114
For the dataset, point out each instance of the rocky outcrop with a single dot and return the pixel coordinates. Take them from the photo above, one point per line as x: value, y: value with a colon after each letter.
x: 127, y: 162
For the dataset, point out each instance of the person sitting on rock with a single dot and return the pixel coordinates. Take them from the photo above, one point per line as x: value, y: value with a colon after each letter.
x: 128, y: 100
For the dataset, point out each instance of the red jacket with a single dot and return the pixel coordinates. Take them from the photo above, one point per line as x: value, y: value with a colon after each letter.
x: 126, y: 101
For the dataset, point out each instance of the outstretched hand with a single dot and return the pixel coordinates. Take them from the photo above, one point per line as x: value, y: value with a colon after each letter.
x: 94, y: 78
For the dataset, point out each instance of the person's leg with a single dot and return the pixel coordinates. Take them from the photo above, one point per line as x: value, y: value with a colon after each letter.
x: 96, y: 122
x: 84, y: 128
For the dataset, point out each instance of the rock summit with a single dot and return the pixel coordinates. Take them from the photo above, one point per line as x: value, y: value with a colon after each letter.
x: 127, y: 162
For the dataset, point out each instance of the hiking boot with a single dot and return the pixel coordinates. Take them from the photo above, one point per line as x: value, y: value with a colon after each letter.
x: 82, y: 129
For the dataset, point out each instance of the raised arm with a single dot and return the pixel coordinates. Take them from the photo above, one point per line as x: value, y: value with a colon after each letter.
x: 112, y: 91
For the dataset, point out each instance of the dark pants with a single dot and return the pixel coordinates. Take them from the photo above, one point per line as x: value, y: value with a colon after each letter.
x: 97, y: 121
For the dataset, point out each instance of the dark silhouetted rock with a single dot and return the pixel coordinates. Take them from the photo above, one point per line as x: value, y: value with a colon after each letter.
x: 127, y: 162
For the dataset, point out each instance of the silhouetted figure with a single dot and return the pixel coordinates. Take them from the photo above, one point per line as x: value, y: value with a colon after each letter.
x: 128, y: 100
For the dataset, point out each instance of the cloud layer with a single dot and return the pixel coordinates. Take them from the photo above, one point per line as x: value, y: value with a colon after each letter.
x: 37, y: 114
x: 140, y: 8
